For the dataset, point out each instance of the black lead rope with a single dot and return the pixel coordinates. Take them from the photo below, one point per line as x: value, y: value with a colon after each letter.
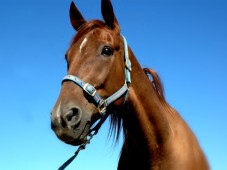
x: 92, y: 133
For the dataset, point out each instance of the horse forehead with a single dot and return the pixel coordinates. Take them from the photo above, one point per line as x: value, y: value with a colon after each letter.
x: 91, y: 39
x: 103, y: 35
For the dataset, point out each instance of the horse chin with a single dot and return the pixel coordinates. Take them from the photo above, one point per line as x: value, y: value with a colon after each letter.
x: 74, y: 137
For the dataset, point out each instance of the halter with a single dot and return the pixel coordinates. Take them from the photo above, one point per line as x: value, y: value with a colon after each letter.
x: 91, y: 91
x: 101, y: 103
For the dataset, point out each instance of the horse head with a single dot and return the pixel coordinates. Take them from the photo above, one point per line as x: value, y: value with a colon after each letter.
x: 96, y: 71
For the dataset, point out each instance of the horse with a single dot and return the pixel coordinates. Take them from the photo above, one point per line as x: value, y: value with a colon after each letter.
x: 105, y: 79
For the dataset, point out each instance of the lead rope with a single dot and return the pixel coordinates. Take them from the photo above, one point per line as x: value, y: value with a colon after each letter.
x: 81, y: 147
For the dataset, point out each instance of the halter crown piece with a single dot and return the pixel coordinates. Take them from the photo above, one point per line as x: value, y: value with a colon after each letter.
x: 100, y: 103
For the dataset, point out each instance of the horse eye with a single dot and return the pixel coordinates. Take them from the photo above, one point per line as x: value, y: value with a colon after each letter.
x: 107, y: 51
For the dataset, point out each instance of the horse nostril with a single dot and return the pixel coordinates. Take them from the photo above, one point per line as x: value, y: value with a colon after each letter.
x: 72, y: 117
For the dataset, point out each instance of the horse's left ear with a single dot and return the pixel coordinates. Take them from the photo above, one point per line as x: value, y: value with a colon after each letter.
x: 108, y: 14
x: 76, y: 18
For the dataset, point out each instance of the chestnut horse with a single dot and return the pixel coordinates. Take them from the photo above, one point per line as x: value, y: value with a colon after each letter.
x: 104, y: 78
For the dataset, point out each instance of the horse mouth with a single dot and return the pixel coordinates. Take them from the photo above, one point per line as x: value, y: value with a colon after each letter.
x: 76, y: 142
x: 74, y: 137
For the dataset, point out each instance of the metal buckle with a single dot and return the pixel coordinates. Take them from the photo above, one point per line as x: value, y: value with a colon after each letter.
x: 102, y: 106
x: 92, y: 91
x: 128, y: 65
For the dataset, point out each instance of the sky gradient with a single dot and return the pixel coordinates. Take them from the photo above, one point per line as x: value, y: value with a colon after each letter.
x: 185, y: 41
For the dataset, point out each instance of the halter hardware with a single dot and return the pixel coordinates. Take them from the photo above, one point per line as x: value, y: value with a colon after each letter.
x: 89, y: 89
x: 102, y: 107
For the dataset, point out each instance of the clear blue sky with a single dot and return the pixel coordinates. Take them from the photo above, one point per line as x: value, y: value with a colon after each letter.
x: 184, y: 40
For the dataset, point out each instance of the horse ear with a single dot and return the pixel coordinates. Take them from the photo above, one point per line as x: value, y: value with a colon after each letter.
x: 108, y: 14
x: 76, y: 18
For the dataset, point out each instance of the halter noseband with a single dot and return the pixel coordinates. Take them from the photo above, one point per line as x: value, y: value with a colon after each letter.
x: 91, y: 91
x: 99, y: 102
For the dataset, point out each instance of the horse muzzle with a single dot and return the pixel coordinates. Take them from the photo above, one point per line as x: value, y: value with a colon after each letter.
x: 71, y: 126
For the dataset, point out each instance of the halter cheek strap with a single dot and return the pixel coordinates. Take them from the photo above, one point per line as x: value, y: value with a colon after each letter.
x: 90, y: 90
x: 128, y: 66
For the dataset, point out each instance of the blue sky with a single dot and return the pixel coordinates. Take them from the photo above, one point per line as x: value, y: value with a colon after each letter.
x: 185, y: 41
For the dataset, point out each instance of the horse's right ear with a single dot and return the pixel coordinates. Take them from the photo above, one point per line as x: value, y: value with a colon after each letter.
x: 108, y: 15
x: 76, y: 18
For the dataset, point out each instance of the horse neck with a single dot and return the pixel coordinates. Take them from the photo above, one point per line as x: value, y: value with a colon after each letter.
x: 146, y: 107
x: 146, y: 123
x: 153, y: 131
